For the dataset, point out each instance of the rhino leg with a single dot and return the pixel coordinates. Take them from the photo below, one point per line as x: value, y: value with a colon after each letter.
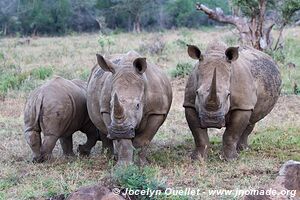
x: 92, y: 137
x: 107, y: 144
x: 33, y: 138
x: 200, y: 135
x: 238, y: 122
x: 67, y: 145
x: 142, y: 140
x: 243, y: 141
x: 124, y: 151
x: 48, y: 146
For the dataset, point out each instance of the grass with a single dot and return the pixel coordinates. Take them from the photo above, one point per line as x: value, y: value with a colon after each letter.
x: 25, y: 67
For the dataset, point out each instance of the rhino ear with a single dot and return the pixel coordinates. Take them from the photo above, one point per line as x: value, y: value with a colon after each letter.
x: 105, y: 64
x: 194, y: 52
x: 232, y: 54
x: 140, y: 65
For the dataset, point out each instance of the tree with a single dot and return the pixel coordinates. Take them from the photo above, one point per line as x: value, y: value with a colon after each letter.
x: 134, y: 8
x: 45, y: 16
x: 252, y: 23
x: 182, y: 13
x: 8, y: 16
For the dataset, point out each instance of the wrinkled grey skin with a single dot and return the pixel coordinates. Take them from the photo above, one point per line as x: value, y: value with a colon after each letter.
x: 232, y: 88
x: 58, y: 109
x: 128, y: 99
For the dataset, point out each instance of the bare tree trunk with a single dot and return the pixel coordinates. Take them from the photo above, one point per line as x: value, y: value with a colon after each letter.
x: 5, y: 29
x: 137, y: 24
x: 280, y: 35
x: 252, y: 32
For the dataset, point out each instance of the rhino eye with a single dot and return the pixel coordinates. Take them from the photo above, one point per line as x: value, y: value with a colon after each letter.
x: 138, y: 106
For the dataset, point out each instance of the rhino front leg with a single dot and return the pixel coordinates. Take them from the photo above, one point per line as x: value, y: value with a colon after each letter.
x: 238, y: 122
x: 243, y: 141
x: 142, y: 140
x: 67, y: 145
x: 33, y: 138
x: 200, y: 135
x: 107, y: 144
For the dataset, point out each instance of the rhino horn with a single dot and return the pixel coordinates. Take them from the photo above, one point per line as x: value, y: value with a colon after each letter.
x: 118, y: 109
x: 213, y: 100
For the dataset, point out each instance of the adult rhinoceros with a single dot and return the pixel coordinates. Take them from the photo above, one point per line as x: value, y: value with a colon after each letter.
x: 128, y: 100
x: 232, y: 88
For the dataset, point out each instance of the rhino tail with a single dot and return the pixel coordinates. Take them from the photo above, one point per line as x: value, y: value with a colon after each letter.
x: 38, y: 107
x: 32, y: 114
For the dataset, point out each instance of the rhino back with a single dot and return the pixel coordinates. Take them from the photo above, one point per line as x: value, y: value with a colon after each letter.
x: 63, y: 107
x: 267, y: 81
x: 158, y: 91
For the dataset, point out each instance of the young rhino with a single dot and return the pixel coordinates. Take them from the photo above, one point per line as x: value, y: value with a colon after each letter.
x: 128, y: 99
x: 58, y: 109
x: 232, y: 88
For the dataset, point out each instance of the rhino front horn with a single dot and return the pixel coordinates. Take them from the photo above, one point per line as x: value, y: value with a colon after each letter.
x: 213, y: 100
x: 118, y: 109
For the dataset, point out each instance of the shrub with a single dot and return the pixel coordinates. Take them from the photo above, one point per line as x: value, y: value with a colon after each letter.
x: 106, y: 41
x: 154, y: 46
x: 135, y: 178
x: 12, y: 77
x: 42, y: 72
x: 181, y: 70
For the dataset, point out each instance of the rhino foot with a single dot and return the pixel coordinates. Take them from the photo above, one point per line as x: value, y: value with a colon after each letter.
x: 42, y: 158
x: 83, y: 151
x: 229, y: 155
x: 242, y: 147
x: 199, y: 154
x: 38, y: 159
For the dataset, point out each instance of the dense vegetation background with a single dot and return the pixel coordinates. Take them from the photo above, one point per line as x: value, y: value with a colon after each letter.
x: 26, y: 17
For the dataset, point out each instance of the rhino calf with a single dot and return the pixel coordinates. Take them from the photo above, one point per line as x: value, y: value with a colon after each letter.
x: 232, y: 88
x: 128, y: 99
x: 58, y: 109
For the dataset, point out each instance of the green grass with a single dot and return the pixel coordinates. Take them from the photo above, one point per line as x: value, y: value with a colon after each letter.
x: 181, y: 70
x: 24, y: 68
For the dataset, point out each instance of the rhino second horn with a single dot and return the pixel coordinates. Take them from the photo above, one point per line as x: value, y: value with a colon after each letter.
x: 118, y: 109
x: 213, y: 100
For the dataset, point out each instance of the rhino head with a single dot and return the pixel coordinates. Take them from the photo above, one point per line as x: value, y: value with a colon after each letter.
x: 213, y: 74
x: 127, y: 96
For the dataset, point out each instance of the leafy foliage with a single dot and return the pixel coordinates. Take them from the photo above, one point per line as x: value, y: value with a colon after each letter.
x: 135, y: 178
x: 27, y: 17
x: 182, y: 69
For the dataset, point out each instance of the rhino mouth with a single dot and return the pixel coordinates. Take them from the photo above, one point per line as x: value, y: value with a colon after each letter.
x: 208, y: 120
x: 124, y: 133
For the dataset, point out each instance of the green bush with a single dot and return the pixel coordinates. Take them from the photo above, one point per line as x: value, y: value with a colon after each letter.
x: 106, y: 41
x: 84, y: 74
x: 42, y: 72
x: 13, y: 78
x: 181, y: 70
x: 135, y: 178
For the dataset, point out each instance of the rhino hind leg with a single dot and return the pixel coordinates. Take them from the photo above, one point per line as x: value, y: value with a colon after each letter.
x: 142, y: 140
x: 48, y: 146
x: 67, y: 145
x: 85, y: 149
x: 243, y: 141
x: 33, y: 138
x: 200, y: 135
x: 239, y: 120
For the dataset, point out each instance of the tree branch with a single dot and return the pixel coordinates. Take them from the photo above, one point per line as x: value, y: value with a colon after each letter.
x: 218, y: 16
